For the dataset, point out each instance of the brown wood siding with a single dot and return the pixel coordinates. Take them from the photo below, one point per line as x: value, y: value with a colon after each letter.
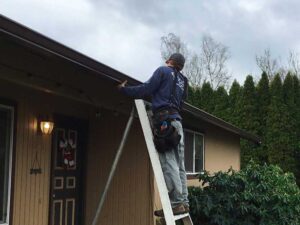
x: 129, y: 199
x: 31, y: 192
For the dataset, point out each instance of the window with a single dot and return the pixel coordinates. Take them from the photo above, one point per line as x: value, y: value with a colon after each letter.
x: 6, y: 129
x: 194, y: 151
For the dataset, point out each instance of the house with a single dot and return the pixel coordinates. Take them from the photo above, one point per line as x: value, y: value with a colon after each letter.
x: 57, y: 178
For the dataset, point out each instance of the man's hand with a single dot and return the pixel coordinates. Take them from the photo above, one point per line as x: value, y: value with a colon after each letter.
x: 122, y: 85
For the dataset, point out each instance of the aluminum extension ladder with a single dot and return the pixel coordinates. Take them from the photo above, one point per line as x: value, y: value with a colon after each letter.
x: 154, y: 158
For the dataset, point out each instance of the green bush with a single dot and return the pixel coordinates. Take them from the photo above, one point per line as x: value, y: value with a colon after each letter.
x: 263, y: 195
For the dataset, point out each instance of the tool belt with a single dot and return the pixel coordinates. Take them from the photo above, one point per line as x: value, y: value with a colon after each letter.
x: 166, y: 137
x: 164, y: 114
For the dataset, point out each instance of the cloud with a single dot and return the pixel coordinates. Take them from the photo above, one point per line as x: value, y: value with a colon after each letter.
x: 126, y: 34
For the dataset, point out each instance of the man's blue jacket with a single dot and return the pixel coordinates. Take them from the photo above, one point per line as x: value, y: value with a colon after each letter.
x: 160, y: 88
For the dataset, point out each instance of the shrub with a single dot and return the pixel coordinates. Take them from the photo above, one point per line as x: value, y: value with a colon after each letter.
x: 263, y: 195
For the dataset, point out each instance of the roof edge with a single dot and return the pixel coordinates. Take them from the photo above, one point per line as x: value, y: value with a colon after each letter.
x: 21, y: 32
x: 220, y: 123
x: 32, y: 37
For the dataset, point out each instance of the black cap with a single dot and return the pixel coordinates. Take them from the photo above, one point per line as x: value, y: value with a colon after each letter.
x: 178, y: 59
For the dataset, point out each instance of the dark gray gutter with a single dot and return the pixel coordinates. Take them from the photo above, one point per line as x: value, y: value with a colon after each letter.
x: 198, y: 113
x: 26, y: 35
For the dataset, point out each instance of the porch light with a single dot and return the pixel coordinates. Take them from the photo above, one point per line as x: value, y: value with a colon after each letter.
x: 46, y: 127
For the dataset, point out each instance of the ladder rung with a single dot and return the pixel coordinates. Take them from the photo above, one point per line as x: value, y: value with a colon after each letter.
x: 180, y: 216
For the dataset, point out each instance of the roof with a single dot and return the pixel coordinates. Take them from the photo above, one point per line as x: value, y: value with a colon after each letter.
x: 31, y: 37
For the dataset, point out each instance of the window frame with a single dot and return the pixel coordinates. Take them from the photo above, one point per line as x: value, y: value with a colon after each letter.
x: 10, y: 162
x: 194, y: 152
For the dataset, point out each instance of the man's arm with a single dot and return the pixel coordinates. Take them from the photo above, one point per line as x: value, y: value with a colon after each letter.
x: 145, y: 89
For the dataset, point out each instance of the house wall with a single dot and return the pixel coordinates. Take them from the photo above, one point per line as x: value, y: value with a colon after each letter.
x: 222, y: 151
x: 132, y: 185
x: 129, y: 198
x: 31, y: 192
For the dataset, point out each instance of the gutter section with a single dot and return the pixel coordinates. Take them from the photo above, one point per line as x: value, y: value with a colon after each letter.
x: 36, y: 40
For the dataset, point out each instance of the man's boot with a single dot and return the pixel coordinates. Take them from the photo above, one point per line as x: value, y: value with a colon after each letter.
x: 179, y: 209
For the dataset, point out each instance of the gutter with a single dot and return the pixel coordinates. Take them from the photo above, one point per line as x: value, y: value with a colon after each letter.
x: 24, y: 34
x: 32, y: 38
x: 201, y: 114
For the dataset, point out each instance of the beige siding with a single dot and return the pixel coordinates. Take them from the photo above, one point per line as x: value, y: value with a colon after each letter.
x: 222, y: 151
x: 31, y: 192
x: 129, y: 198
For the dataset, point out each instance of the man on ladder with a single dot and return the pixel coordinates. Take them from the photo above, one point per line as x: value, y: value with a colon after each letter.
x: 168, y: 89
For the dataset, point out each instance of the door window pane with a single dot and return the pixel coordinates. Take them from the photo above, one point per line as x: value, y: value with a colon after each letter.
x: 194, y: 152
x: 198, y: 152
x: 5, y: 152
x: 188, y: 151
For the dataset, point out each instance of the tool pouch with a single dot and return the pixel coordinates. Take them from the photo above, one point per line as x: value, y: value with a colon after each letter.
x: 166, y: 137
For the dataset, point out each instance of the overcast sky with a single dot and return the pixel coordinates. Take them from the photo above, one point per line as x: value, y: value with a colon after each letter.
x: 125, y: 34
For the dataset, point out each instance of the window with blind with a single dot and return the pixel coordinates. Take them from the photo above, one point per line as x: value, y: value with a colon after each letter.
x: 6, y: 130
x: 194, y: 151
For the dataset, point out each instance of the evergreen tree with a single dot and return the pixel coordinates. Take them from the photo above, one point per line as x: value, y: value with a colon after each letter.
x: 296, y: 91
x: 291, y: 126
x: 207, y: 97
x: 288, y: 91
x: 234, y: 95
x: 263, y: 98
x: 248, y: 119
x: 221, y: 103
x: 191, y: 93
x: 247, y: 107
x: 297, y: 117
x: 277, y: 137
x: 297, y: 101
x: 197, y: 97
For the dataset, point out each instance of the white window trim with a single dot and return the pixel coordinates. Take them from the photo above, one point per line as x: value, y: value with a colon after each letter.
x: 9, y: 161
x: 194, y: 153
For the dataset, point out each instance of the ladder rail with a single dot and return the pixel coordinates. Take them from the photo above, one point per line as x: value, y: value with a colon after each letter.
x: 154, y: 158
x: 157, y: 170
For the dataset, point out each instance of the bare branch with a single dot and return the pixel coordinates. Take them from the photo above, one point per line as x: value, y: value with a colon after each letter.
x: 271, y: 66
x: 214, y: 56
x: 194, y: 71
x: 172, y: 44
x: 294, y: 63
x: 207, y: 65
